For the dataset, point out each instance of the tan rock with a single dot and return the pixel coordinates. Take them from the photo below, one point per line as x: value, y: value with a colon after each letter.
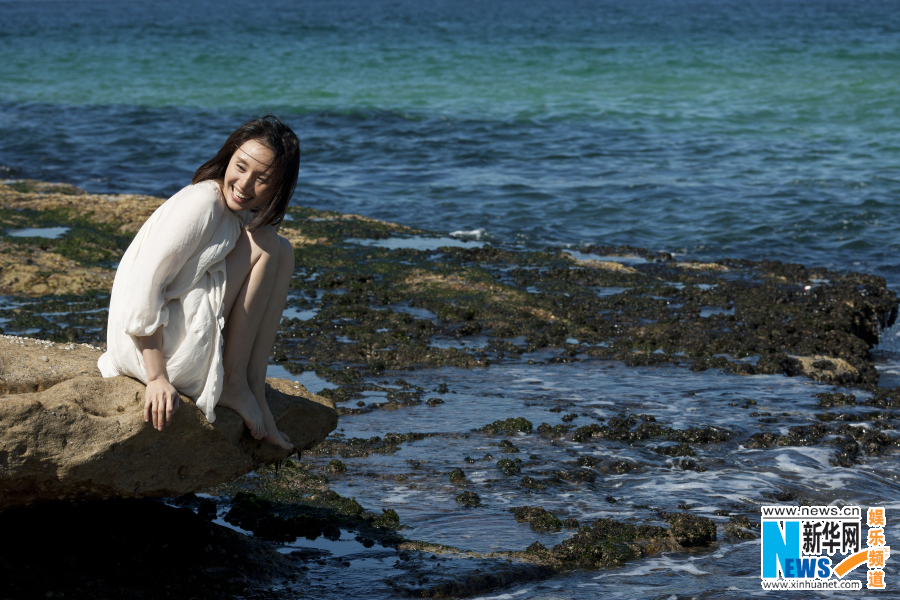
x: 23, y: 368
x: 607, y: 265
x: 85, y: 437
x: 698, y: 266
x: 297, y: 239
x: 38, y: 273
x: 827, y: 369
x: 420, y: 280
x: 127, y: 211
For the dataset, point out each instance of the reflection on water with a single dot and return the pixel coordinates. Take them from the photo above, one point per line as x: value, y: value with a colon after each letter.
x: 44, y: 232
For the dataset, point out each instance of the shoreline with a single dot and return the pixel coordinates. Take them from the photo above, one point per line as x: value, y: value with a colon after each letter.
x: 626, y: 303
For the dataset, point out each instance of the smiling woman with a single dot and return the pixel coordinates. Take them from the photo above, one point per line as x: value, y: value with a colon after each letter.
x: 208, y: 270
x: 245, y: 184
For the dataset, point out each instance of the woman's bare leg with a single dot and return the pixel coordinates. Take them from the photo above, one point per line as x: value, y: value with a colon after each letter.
x: 258, y: 273
x: 265, y: 339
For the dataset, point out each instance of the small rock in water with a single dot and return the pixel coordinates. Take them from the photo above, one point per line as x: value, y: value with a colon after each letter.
x: 336, y: 466
x: 468, y: 499
x: 739, y: 526
x: 681, y: 449
x: 508, y: 446
x: 508, y: 467
x: 539, y: 518
x: 690, y: 465
x: 457, y: 476
x: 533, y: 484
x: 389, y: 519
x: 511, y: 425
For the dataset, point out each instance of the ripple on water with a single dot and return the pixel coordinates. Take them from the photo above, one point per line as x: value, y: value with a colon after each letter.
x: 737, y: 479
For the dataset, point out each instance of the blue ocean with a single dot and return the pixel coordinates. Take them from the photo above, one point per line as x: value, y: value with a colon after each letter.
x: 709, y: 129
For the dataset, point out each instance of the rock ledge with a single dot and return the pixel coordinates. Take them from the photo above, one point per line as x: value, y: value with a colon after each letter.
x: 67, y: 433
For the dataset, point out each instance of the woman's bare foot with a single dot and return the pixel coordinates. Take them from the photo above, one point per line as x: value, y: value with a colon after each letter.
x: 241, y: 400
x: 273, y: 436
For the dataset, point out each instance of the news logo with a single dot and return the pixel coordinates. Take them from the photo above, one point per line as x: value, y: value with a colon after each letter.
x: 815, y: 547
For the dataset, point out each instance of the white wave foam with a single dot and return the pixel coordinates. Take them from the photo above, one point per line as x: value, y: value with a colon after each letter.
x: 663, y: 563
x: 400, y: 495
x: 475, y: 234
x: 503, y: 596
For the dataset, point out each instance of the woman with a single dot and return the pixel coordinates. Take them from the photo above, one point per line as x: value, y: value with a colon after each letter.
x: 209, y: 264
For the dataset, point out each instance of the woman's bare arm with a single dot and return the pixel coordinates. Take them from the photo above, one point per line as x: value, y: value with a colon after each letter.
x: 161, y: 398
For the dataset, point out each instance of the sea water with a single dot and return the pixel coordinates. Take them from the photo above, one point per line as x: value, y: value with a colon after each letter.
x: 704, y: 128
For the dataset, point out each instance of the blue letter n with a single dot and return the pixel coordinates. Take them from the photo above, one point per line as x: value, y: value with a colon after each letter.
x: 778, y: 545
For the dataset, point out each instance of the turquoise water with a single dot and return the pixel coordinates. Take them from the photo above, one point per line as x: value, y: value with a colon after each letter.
x: 705, y: 128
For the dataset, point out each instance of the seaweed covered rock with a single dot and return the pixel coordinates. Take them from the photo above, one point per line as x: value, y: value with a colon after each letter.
x: 511, y: 425
x: 508, y: 467
x: 85, y: 437
x: 539, y: 518
x: 690, y: 530
x: 795, y: 320
x: 609, y: 542
x: 457, y: 476
x: 469, y: 499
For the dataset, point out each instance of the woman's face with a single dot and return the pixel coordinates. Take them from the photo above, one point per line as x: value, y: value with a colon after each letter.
x: 246, y: 181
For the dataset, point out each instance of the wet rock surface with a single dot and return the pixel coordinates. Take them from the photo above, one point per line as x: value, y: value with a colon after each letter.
x: 372, y: 308
x: 608, y: 542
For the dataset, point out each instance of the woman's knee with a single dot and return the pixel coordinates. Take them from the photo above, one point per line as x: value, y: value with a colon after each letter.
x: 264, y: 241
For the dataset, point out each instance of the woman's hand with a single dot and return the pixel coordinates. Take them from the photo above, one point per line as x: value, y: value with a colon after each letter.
x: 161, y: 400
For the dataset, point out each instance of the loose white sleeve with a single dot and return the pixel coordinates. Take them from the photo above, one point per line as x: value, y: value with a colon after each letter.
x: 180, y: 226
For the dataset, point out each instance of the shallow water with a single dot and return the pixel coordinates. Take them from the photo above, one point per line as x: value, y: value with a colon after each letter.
x: 416, y: 243
x: 737, y: 479
x: 312, y: 382
x: 43, y: 232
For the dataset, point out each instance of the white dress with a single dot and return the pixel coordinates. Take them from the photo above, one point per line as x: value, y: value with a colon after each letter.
x: 173, y: 276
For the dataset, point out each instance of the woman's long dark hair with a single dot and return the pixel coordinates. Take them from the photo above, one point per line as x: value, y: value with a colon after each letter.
x: 283, y: 142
